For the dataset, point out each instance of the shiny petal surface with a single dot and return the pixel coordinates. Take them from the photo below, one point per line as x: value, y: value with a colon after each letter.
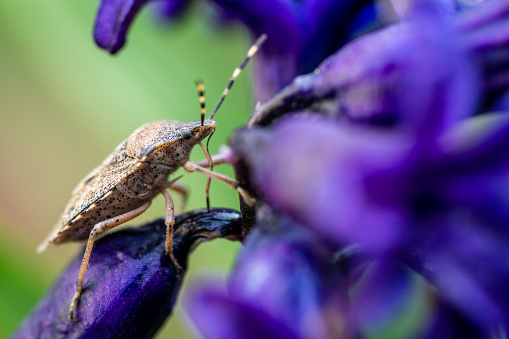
x: 114, y: 18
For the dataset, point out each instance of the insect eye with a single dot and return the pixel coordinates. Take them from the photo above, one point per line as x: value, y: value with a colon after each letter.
x: 185, y: 134
x: 195, y: 131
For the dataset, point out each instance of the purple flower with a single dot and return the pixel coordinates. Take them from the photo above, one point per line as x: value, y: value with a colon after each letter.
x: 287, y: 284
x: 443, y: 200
x: 113, y: 20
x: 382, y: 79
x: 379, y: 182
x: 428, y: 192
x: 130, y: 286
x: 283, y: 286
x: 301, y: 33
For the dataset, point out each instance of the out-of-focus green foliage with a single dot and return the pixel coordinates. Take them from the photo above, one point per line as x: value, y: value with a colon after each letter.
x: 65, y: 105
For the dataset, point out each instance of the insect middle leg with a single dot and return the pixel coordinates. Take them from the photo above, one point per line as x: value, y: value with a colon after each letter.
x: 99, y: 228
x: 170, y: 222
x: 225, y: 156
x: 183, y: 191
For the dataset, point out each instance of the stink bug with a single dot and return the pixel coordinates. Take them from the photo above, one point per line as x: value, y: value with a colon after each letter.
x: 123, y: 186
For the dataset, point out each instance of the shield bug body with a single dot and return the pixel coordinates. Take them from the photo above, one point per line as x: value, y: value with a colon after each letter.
x: 123, y: 186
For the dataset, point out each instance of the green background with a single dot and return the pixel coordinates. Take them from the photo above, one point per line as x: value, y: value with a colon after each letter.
x: 65, y: 104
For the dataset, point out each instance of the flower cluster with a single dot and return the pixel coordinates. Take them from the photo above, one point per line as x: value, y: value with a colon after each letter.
x: 381, y: 179
x: 131, y: 284
x: 386, y: 147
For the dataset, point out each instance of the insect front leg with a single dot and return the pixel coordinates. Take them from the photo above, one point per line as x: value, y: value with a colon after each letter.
x: 225, y: 156
x: 194, y: 167
x: 170, y: 222
x: 99, y: 228
x: 209, y: 179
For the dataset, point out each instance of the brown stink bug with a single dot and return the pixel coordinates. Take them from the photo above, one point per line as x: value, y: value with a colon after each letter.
x: 123, y: 186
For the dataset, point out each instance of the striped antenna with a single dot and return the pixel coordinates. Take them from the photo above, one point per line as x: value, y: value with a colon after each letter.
x: 201, y: 97
x: 252, y: 51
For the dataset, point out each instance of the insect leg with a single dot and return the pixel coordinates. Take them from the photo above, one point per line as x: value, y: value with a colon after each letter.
x: 170, y: 222
x: 209, y: 179
x: 225, y: 156
x: 99, y: 228
x: 180, y: 189
x: 194, y: 167
x: 252, y: 51
x: 184, y: 192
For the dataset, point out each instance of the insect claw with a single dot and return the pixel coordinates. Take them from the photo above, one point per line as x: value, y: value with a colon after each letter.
x: 248, y: 199
x: 72, y: 312
x: 178, y: 268
x: 72, y: 316
x: 74, y: 304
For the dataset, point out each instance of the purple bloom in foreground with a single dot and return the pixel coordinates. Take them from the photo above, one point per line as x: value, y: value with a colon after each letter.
x: 283, y: 286
x: 389, y: 76
x: 444, y: 202
x: 429, y: 193
x: 130, y: 286
x: 288, y: 284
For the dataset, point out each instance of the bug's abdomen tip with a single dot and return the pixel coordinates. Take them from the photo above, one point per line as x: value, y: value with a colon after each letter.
x: 42, y: 247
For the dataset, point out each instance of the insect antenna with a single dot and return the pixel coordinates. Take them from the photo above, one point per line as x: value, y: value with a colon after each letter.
x: 201, y: 97
x: 252, y: 51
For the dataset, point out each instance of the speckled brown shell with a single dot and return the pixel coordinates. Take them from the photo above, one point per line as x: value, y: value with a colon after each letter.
x: 110, y: 189
x: 75, y: 222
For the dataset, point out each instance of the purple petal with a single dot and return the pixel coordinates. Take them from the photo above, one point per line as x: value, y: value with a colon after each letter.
x: 387, y: 295
x: 300, y: 35
x: 472, y: 271
x: 130, y: 285
x: 171, y: 9
x: 328, y: 23
x: 476, y: 155
x: 277, y: 62
x: 378, y: 79
x: 219, y: 316
x: 284, y: 277
x: 333, y: 177
x: 485, y: 35
x: 114, y: 18
x: 276, y: 18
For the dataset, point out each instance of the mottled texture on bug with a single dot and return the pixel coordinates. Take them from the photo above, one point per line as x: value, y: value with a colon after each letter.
x: 129, y: 177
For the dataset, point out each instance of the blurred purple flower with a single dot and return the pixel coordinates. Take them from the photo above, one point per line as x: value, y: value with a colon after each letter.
x: 429, y: 192
x: 130, y: 286
x: 114, y: 18
x: 387, y: 77
x: 444, y: 200
x: 283, y: 286
x: 170, y: 10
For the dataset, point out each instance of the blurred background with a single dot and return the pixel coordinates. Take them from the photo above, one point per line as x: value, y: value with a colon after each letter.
x: 65, y: 105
